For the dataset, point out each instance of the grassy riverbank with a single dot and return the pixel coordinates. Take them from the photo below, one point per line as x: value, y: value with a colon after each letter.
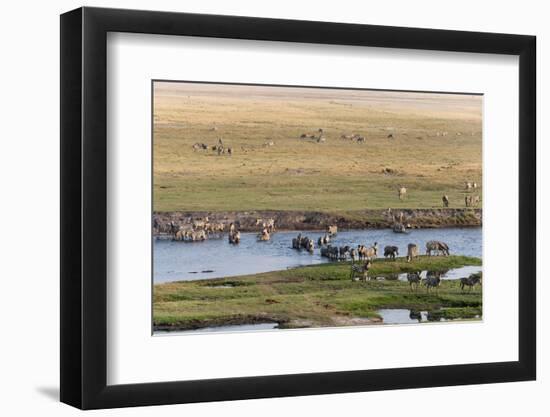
x: 312, y: 296
x: 314, y: 220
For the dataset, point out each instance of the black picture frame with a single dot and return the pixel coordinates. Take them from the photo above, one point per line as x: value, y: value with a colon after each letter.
x: 84, y: 207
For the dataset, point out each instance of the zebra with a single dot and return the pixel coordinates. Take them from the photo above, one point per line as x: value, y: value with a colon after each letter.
x: 323, y: 240
x: 412, y: 251
x: 391, y: 251
x: 234, y: 237
x: 360, y: 270
x: 470, y: 282
x: 401, y: 192
x: 343, y: 252
x: 437, y: 247
x: 433, y: 280
x: 332, y: 230
x: 414, y: 280
x: 369, y: 253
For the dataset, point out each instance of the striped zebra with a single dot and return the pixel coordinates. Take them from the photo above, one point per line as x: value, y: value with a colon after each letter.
x: 360, y: 271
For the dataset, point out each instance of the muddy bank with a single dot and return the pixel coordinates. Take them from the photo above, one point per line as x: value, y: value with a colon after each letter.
x: 240, y: 320
x: 246, y: 221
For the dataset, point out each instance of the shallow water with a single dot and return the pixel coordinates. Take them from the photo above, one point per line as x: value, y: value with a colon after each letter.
x: 225, y: 329
x: 455, y: 273
x: 401, y: 316
x: 215, y: 258
x: 405, y: 316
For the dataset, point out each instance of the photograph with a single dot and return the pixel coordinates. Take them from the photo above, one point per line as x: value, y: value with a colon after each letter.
x: 288, y: 207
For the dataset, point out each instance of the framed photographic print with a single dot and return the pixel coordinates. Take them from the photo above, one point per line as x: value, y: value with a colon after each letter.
x: 257, y: 208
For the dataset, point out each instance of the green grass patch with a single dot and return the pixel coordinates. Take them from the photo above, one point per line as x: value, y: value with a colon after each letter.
x: 312, y: 296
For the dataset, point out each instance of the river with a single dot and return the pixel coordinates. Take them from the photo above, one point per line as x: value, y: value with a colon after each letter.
x: 216, y: 258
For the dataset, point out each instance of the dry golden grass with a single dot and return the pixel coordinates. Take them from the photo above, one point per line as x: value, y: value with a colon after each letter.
x: 302, y: 174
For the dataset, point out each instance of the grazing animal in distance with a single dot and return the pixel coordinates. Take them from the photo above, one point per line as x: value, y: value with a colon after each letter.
x: 471, y: 200
x: 468, y: 185
x: 391, y: 252
x: 437, y: 247
x: 414, y: 279
x: 470, y: 282
x: 198, y: 146
x: 401, y: 192
x: 412, y: 251
x: 332, y: 230
x: 445, y: 199
x: 390, y: 136
x: 312, y: 135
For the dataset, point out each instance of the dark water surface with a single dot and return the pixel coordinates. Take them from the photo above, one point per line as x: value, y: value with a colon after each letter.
x: 215, y: 258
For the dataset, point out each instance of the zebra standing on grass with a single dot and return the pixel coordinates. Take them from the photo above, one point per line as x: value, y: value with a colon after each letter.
x: 437, y: 247
x: 414, y: 280
x: 470, y: 282
x: 433, y: 280
x: 360, y: 271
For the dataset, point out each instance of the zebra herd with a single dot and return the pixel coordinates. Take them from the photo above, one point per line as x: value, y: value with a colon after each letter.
x: 359, y: 270
x: 219, y: 148
x: 433, y: 281
x: 362, y: 252
x: 195, y: 231
x: 201, y: 229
